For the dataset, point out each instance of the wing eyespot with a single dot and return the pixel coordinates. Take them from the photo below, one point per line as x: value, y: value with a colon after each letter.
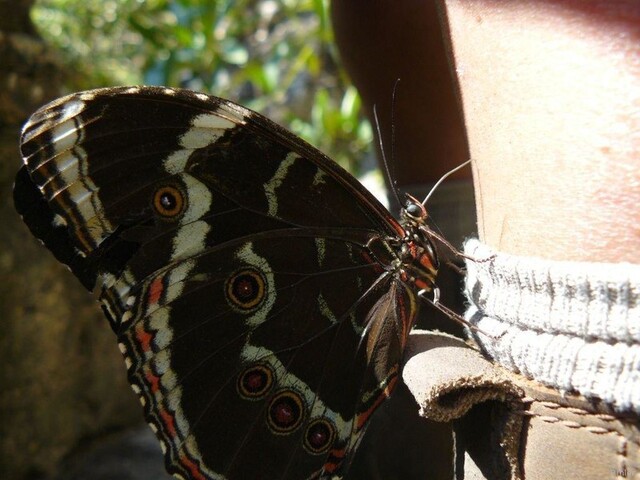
x: 319, y: 436
x: 169, y: 201
x: 285, y: 412
x: 246, y: 289
x: 255, y: 382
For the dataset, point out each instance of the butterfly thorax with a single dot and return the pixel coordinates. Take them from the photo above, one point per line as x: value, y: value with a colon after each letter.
x: 418, y: 258
x: 411, y: 258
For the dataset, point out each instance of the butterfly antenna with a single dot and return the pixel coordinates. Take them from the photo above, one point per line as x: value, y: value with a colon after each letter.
x: 392, y: 183
x: 442, y: 179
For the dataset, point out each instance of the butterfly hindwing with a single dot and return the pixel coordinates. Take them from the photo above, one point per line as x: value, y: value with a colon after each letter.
x: 235, y: 264
x: 307, y: 350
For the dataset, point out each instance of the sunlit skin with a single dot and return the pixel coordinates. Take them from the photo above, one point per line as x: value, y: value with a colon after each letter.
x: 549, y: 92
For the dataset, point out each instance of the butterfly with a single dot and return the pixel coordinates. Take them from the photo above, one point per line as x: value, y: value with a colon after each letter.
x: 261, y: 296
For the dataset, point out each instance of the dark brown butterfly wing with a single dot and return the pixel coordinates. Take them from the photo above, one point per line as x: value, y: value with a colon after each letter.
x: 233, y: 261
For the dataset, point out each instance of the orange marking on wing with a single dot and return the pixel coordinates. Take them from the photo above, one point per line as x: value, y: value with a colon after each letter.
x: 192, y: 466
x: 169, y: 422
x: 144, y: 338
x: 364, y: 416
x: 408, y: 312
x: 377, y: 268
x: 152, y: 380
x: 402, y: 314
x: 336, y: 456
x: 155, y: 290
x: 399, y: 229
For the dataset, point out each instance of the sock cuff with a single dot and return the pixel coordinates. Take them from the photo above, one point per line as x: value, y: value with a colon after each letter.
x: 574, y: 326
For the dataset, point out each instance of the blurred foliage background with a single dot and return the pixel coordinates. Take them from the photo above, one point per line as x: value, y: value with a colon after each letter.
x: 276, y: 57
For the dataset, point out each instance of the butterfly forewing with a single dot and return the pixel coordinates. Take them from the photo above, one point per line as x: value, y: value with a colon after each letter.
x: 235, y: 264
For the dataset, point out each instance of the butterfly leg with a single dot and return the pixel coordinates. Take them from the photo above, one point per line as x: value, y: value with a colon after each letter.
x: 435, y: 301
x: 457, y: 268
x: 454, y: 250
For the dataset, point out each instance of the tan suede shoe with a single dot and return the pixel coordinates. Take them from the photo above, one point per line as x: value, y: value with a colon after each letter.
x: 507, y: 427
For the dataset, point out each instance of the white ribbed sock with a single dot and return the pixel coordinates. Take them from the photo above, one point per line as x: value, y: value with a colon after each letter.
x: 570, y: 325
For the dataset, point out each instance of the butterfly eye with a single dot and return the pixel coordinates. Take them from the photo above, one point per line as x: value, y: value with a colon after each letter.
x: 168, y: 201
x: 415, y: 210
x: 285, y: 412
x: 319, y: 436
x: 255, y: 382
x: 245, y: 289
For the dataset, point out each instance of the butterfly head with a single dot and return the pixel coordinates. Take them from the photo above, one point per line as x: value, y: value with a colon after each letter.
x: 414, y: 211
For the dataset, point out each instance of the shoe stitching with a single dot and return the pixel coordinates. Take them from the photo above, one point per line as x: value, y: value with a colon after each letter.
x: 622, y: 472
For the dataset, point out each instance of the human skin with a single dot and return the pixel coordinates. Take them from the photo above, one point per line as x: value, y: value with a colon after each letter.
x: 550, y: 98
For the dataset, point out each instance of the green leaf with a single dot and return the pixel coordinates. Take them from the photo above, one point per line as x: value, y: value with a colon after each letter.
x: 276, y: 56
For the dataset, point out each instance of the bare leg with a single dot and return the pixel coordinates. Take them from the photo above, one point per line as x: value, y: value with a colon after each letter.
x: 550, y: 92
x: 551, y: 95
